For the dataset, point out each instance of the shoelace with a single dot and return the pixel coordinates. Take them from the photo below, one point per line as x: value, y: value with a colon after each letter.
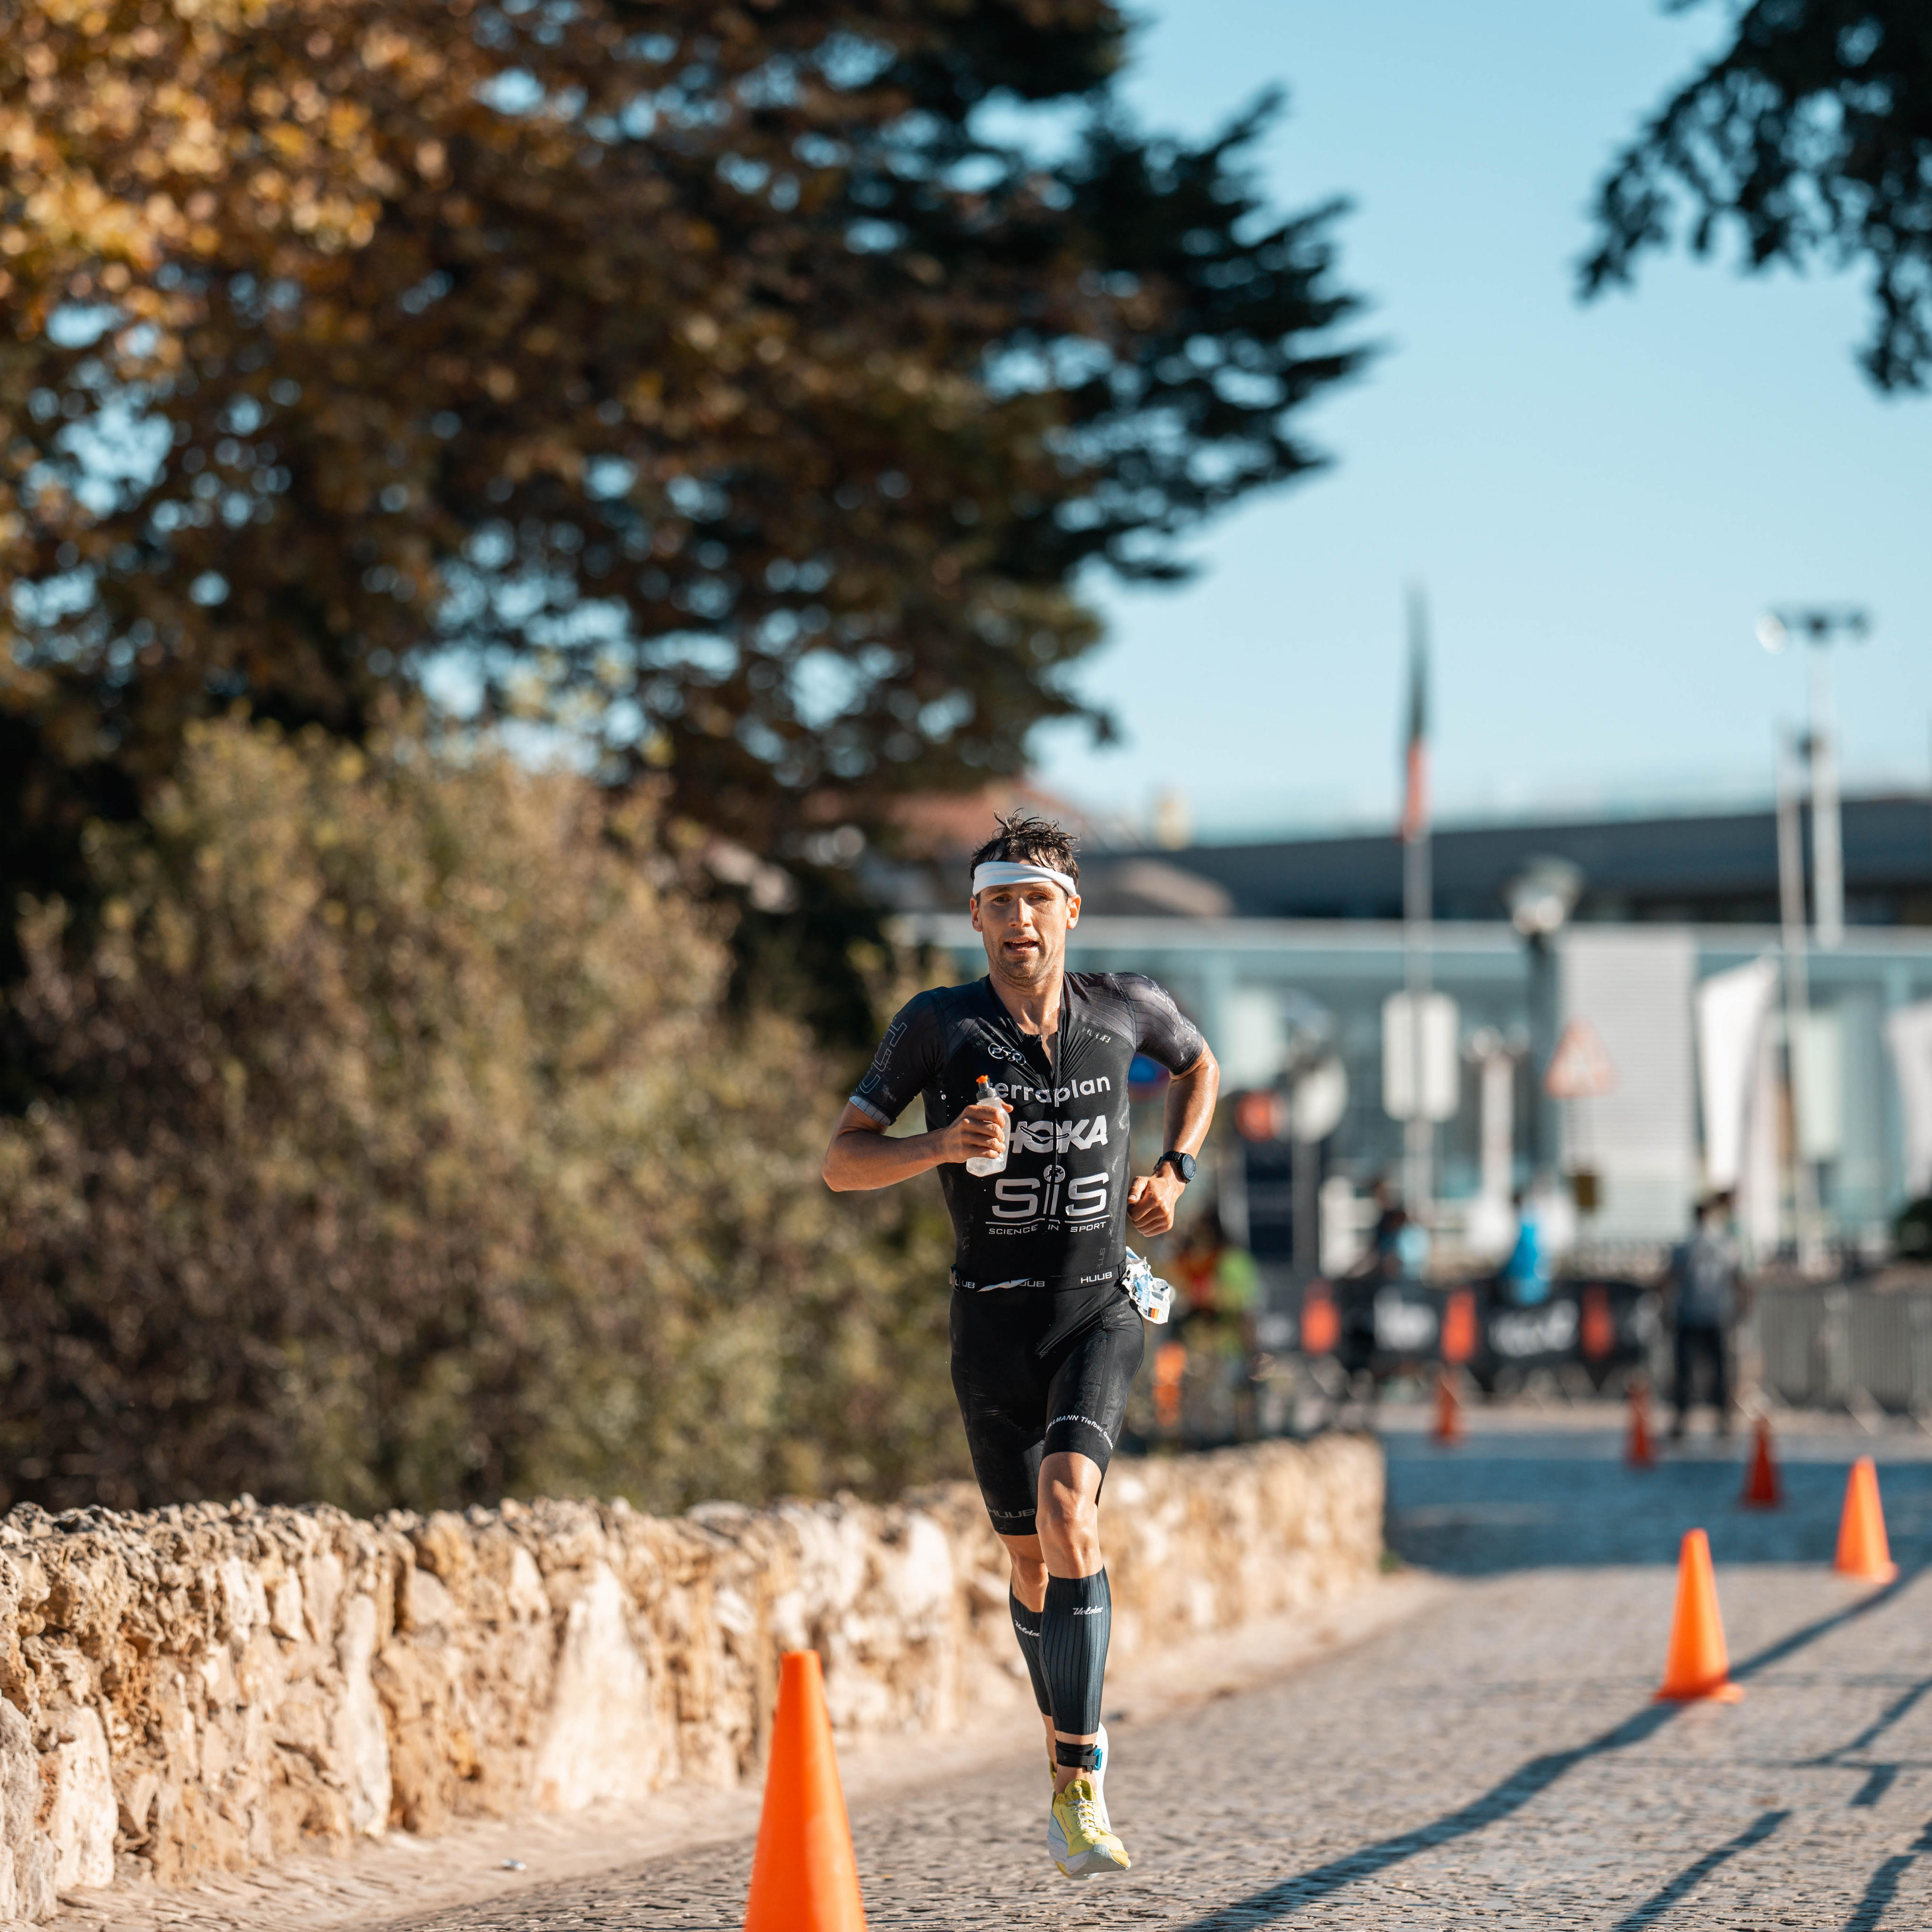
x: 1087, y: 1815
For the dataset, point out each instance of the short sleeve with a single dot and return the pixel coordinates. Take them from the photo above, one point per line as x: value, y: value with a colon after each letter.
x: 907, y: 1062
x: 1164, y: 1033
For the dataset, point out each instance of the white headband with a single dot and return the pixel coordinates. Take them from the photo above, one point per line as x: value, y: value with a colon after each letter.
x: 1004, y: 872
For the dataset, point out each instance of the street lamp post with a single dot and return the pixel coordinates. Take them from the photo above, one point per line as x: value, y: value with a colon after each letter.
x: 1797, y: 1002
x: 1540, y: 899
x: 1821, y: 626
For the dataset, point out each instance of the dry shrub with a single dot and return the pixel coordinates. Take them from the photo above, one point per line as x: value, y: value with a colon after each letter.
x: 393, y: 1147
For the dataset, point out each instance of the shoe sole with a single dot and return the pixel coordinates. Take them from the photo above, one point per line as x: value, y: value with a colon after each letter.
x: 1096, y: 1864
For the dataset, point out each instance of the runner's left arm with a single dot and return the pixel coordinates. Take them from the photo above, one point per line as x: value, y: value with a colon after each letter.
x: 1151, y: 1197
x: 1169, y: 1036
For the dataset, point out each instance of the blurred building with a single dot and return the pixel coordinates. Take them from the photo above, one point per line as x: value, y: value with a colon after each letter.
x: 1283, y: 948
x: 1710, y: 869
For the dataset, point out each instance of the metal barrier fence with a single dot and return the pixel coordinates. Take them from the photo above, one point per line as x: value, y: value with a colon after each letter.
x: 1839, y: 1347
x: 1605, y: 1329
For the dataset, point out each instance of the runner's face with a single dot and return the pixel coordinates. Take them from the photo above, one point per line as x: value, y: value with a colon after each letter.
x: 1025, y: 928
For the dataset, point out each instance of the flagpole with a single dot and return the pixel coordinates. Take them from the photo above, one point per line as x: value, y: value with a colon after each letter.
x: 1419, y: 1132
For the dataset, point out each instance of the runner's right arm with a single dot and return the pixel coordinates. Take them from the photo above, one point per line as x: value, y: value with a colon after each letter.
x: 862, y: 1155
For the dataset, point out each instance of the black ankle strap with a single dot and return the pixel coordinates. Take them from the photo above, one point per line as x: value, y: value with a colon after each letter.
x: 1076, y: 1757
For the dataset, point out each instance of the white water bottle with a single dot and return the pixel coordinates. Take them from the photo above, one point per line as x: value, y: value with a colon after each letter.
x: 992, y: 1163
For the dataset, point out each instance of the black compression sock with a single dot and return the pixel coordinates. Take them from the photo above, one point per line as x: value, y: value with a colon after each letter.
x: 1026, y: 1628
x: 1073, y: 1631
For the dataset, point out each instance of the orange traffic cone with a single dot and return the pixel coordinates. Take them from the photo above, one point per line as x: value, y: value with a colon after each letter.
x: 1448, y: 1430
x: 804, y: 1876
x: 1697, y: 1665
x: 1637, y: 1451
x: 1762, y: 1490
x: 1863, y: 1551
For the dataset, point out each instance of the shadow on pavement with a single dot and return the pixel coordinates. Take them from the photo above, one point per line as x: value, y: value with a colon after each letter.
x: 1530, y: 1780
x: 1880, y: 1777
x: 1694, y: 1875
x: 1878, y: 1894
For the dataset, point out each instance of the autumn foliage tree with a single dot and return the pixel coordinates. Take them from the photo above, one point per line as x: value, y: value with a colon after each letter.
x: 732, y: 391
x: 732, y: 384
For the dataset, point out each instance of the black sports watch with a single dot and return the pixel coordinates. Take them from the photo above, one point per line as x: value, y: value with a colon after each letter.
x: 1183, y: 1164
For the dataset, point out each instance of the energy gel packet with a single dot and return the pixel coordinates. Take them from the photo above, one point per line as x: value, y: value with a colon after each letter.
x: 1152, y: 1296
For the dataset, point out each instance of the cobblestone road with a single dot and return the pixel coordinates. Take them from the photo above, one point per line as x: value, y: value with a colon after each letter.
x: 1497, y: 1762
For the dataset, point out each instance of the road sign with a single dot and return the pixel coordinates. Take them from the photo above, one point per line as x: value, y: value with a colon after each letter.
x: 1580, y: 1068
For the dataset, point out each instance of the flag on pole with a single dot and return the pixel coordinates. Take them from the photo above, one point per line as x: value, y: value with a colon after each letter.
x: 1415, y: 772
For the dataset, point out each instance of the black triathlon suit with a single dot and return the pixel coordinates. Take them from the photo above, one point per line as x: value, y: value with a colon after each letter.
x: 1045, y: 1343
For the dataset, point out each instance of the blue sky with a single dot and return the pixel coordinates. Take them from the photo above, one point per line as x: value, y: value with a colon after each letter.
x: 1599, y: 500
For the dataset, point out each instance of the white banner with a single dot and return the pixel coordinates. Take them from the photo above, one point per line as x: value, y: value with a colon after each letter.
x: 1818, y: 1066
x: 1732, y: 1009
x: 1627, y: 1002
x: 1909, y: 1031
x: 1761, y: 1183
x: 1442, y: 1070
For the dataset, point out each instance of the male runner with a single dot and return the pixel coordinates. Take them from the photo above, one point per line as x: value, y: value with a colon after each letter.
x: 1045, y: 1342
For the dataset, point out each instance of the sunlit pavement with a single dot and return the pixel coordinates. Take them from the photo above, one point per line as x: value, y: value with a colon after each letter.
x: 1499, y: 1761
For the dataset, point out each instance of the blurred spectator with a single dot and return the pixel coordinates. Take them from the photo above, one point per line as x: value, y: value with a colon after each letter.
x: 1411, y: 1250
x: 1382, y: 1261
x: 1912, y: 1232
x: 1703, y: 1297
x: 1398, y: 1248
x: 1219, y: 1286
x: 1525, y: 1279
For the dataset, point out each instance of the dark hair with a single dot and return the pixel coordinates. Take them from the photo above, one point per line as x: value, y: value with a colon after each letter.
x: 1025, y: 840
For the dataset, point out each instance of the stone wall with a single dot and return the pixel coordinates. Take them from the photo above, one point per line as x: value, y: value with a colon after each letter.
x: 209, y: 1686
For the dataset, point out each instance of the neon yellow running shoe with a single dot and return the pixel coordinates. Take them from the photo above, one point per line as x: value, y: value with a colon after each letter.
x: 1078, y: 1835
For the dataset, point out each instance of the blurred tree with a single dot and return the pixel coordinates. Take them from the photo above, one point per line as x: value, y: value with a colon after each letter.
x: 400, y: 1150
x: 735, y: 385
x: 1811, y: 134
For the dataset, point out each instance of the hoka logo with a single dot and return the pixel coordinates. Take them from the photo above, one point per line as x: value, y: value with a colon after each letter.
x: 1057, y: 1136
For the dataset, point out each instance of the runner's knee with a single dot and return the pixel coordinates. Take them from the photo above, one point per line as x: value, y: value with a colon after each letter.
x: 1068, y: 1517
x: 1029, y: 1576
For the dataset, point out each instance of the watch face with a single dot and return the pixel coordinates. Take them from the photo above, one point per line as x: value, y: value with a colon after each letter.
x: 1183, y: 1165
